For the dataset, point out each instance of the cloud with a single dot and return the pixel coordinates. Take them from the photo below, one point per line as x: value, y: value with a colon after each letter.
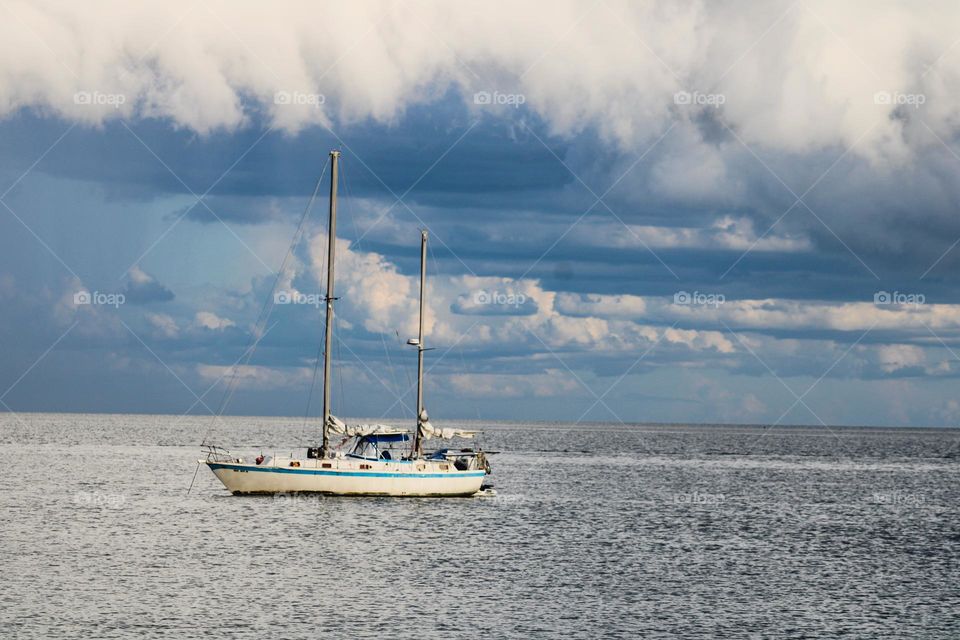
x: 608, y: 306
x: 725, y: 232
x: 723, y: 404
x: 256, y: 377
x: 713, y: 309
x: 165, y: 325
x: 793, y: 77
x: 700, y: 339
x: 550, y: 383
x: 896, y: 357
x: 238, y: 209
x: 369, y: 282
x: 483, y: 302
x: 142, y: 288
x: 859, y: 105
x: 211, y: 321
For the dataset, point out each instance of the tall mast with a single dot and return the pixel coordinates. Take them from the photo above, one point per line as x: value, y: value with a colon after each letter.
x: 417, y: 444
x: 328, y: 328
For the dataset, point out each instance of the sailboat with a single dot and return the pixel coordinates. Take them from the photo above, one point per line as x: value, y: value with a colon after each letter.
x: 370, y: 459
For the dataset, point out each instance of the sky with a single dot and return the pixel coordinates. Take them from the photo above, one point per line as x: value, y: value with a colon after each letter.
x: 711, y: 212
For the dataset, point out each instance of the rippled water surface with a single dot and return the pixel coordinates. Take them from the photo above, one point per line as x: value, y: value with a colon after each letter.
x: 596, y: 531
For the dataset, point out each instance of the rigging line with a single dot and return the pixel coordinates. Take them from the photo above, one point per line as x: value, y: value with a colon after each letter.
x: 463, y: 368
x: 406, y: 370
x: 316, y: 368
x: 339, y: 360
x: 265, y: 314
x: 248, y: 350
x: 390, y: 367
x: 350, y: 207
x: 351, y: 210
x: 316, y: 363
x: 431, y: 259
x: 268, y: 305
x: 313, y: 387
x: 459, y: 346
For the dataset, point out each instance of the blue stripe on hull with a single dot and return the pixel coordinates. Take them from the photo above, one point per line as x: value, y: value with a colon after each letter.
x: 332, y: 472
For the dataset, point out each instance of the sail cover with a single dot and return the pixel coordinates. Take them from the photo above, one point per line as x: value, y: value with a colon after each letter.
x: 428, y: 431
x: 336, y: 425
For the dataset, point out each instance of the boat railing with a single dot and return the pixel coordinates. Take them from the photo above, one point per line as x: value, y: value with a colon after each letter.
x: 217, y: 454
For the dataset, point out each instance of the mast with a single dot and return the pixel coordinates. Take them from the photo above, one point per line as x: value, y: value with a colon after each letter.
x: 328, y: 327
x: 421, y: 414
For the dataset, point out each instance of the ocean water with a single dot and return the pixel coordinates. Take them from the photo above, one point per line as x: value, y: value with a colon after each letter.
x: 646, y: 531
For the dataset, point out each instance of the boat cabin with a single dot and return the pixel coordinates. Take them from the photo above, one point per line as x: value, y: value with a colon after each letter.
x: 381, y: 446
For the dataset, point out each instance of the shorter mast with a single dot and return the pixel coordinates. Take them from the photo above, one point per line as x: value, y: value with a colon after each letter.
x: 421, y: 413
x: 328, y: 328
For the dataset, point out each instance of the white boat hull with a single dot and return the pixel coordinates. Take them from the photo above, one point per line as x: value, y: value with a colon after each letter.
x: 348, y: 477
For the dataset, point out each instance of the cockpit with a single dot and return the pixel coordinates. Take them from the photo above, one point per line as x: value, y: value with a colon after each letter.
x: 381, y: 446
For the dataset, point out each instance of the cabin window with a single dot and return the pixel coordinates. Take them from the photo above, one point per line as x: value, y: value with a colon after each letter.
x: 366, y: 466
x: 294, y: 463
x: 325, y: 465
x: 444, y: 467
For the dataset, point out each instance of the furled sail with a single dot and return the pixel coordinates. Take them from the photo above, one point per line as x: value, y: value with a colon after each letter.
x: 428, y: 431
x: 336, y: 425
